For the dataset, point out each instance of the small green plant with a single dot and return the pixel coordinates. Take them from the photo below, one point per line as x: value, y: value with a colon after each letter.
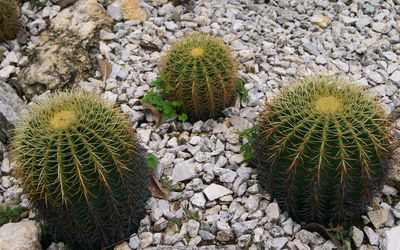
x: 8, y: 214
x: 191, y: 215
x: 157, y: 98
x: 201, y: 74
x: 9, y: 15
x: 78, y: 159
x: 152, y: 161
x: 167, y: 184
x: 322, y: 147
x: 248, y: 148
x: 241, y: 90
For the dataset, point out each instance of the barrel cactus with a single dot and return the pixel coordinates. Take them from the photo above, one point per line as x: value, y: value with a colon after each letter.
x: 322, y: 149
x: 78, y: 159
x: 9, y: 15
x: 201, y: 74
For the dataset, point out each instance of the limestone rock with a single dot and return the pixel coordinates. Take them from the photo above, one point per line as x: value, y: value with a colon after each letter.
x: 393, y: 236
x: 21, y: 235
x: 64, y: 54
x: 11, y: 107
x: 215, y: 191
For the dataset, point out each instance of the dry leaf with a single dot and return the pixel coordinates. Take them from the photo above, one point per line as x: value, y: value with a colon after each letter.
x: 156, y: 189
x: 149, y: 46
x: 156, y: 114
x: 105, y: 68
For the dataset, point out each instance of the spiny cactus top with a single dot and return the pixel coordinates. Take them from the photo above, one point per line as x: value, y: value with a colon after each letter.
x: 322, y: 149
x: 202, y: 74
x: 9, y: 15
x: 79, y: 161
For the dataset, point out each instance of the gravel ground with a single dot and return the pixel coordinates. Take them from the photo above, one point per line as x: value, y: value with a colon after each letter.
x: 216, y: 201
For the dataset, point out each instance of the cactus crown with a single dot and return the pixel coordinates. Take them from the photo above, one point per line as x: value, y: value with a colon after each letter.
x: 323, y: 148
x: 78, y: 160
x: 202, y: 73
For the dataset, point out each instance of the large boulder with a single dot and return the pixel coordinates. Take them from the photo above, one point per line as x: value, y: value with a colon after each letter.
x: 21, y: 235
x: 11, y: 107
x: 66, y: 52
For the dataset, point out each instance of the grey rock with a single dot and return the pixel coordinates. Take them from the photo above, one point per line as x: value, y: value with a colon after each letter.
x: 198, y: 200
x: 157, y: 237
x: 160, y: 225
x: 115, y: 11
x: 203, y: 157
x: 244, y: 240
x: 57, y: 246
x: 390, y: 55
x: 134, y: 242
x: 11, y: 107
x: 146, y: 238
x: 278, y: 243
x: 193, y: 227
x: 362, y: 22
x: 156, y: 214
x: 224, y: 236
x: 252, y: 203
x: 21, y: 235
x: 183, y: 171
x: 395, y: 77
x: 240, y: 228
x: 348, y: 20
x: 287, y: 226
x: 225, y: 175
x: 372, y: 236
x: 205, y: 235
x: 375, y: 77
x: 304, y: 236
x: 341, y: 65
x: 7, y: 71
x: 272, y: 212
x: 239, y: 122
x: 358, y: 236
x: 378, y: 217
x: 311, y: 48
x: 392, y: 237
x: 170, y: 240
x: 104, y: 35
x: 215, y: 191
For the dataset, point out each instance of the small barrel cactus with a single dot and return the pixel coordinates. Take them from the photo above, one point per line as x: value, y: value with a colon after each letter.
x: 322, y: 148
x: 9, y: 15
x: 201, y: 74
x: 78, y: 159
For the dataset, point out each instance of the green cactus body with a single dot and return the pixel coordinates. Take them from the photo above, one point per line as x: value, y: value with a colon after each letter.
x: 322, y: 149
x: 78, y: 160
x: 9, y: 15
x: 201, y: 74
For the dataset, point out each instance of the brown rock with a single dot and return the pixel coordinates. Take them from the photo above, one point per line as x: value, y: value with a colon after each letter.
x: 131, y: 10
x: 320, y: 20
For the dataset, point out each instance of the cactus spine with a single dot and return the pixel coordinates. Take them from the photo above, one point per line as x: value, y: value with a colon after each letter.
x: 9, y: 15
x: 202, y: 74
x: 79, y: 161
x: 322, y: 149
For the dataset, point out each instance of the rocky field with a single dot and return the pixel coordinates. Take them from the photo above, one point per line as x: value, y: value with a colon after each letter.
x: 216, y: 200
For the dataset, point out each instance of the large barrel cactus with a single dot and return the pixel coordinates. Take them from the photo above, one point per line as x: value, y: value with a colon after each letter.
x: 322, y: 148
x: 9, y: 15
x: 200, y: 73
x: 78, y: 159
